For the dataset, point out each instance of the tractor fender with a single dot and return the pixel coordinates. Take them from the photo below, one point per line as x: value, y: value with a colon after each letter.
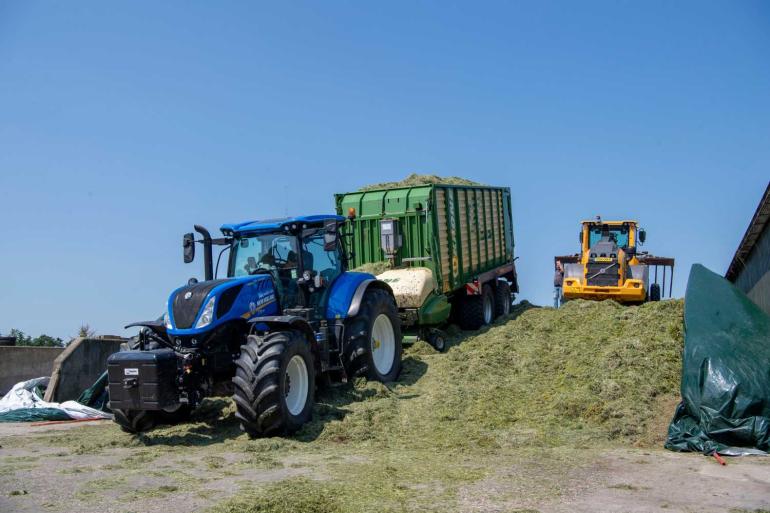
x: 358, y: 296
x: 285, y: 322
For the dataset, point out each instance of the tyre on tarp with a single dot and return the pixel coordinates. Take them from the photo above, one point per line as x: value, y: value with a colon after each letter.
x: 725, y: 380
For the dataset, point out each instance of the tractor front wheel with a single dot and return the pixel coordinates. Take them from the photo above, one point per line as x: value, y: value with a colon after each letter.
x: 274, y: 383
x: 373, y: 338
x: 135, y: 421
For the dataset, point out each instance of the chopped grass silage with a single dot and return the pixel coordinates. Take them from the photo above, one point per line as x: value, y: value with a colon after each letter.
x: 535, y: 387
x: 415, y: 179
x: 588, y: 372
x: 374, y: 268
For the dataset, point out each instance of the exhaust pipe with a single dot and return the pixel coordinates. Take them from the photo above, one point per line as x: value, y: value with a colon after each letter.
x: 207, y: 264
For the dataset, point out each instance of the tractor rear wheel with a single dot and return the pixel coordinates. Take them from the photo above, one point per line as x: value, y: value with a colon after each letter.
x: 503, y: 299
x: 477, y: 311
x: 274, y: 383
x: 135, y: 421
x: 373, y: 338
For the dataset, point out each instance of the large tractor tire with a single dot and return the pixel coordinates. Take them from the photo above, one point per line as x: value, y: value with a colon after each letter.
x: 477, y: 311
x: 135, y: 421
x: 274, y: 383
x: 654, y: 292
x: 503, y: 299
x: 373, y: 339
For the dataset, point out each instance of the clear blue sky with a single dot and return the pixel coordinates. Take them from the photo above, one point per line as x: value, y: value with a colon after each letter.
x: 123, y: 123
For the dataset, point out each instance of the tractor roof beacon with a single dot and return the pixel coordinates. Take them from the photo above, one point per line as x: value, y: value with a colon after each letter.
x: 287, y: 312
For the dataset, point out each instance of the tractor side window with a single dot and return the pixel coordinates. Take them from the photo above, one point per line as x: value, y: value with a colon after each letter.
x: 325, y: 263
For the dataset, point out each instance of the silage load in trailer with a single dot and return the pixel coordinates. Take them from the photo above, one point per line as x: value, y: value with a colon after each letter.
x: 725, y: 371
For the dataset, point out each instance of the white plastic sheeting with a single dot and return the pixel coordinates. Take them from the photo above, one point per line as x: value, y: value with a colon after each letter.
x: 23, y: 395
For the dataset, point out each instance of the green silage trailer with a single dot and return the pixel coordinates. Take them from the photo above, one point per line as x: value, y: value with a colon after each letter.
x: 458, y: 238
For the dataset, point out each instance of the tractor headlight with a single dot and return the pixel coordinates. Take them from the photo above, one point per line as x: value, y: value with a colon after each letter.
x: 207, y: 316
x: 167, y: 321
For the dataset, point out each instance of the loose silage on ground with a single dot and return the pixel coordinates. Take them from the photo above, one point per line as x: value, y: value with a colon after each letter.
x: 542, y: 386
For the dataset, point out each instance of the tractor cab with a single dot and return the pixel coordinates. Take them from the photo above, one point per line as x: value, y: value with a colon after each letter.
x: 302, y: 255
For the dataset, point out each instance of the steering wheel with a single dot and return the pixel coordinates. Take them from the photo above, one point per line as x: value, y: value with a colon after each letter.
x: 260, y: 270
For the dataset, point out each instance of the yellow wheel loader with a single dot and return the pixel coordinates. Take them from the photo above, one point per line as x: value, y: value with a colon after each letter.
x: 610, y: 265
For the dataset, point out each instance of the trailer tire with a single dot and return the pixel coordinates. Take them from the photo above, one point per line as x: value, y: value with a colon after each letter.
x: 477, y: 311
x: 135, y: 421
x: 268, y: 374
x: 655, y: 292
x: 377, y: 359
x: 503, y: 299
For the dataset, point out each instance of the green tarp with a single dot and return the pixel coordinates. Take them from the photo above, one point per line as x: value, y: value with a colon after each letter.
x: 725, y: 371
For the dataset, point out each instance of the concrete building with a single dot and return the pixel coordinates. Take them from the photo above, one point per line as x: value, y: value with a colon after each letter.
x: 750, y: 268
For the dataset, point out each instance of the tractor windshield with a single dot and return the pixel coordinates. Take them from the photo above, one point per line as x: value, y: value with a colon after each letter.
x: 274, y: 252
x: 618, y: 234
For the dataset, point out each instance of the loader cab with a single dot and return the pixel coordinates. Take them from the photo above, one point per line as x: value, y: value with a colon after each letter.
x: 303, y: 255
x: 621, y: 233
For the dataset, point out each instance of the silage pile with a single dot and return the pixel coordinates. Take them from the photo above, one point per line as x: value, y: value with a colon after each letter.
x: 585, y: 375
x: 417, y: 179
x: 590, y: 372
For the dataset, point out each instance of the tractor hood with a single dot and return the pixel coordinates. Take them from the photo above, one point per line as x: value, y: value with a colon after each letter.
x: 202, y: 306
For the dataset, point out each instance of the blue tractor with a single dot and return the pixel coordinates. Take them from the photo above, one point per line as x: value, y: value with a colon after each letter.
x: 288, y: 314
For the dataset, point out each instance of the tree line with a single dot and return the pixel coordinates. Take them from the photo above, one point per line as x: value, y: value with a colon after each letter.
x: 22, y: 339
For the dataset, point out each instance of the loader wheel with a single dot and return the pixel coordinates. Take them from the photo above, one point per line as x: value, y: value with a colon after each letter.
x: 135, y: 421
x: 477, y: 311
x: 503, y: 299
x: 373, y: 339
x: 274, y: 383
x: 655, y: 292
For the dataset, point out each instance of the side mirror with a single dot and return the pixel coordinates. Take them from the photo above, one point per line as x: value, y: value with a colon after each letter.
x: 642, y: 236
x: 580, y: 237
x: 188, y: 246
x: 330, y: 235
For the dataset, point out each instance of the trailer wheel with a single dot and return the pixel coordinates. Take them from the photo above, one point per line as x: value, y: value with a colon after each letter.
x: 373, y: 338
x: 274, y: 383
x: 655, y: 292
x: 503, y: 299
x: 477, y: 311
x: 135, y: 421
x: 437, y: 339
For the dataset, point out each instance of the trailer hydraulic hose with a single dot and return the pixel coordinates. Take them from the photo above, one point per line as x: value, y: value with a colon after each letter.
x: 207, y: 264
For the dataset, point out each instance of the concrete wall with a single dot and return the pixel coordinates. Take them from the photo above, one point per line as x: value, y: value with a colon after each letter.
x: 79, y: 366
x: 20, y: 363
